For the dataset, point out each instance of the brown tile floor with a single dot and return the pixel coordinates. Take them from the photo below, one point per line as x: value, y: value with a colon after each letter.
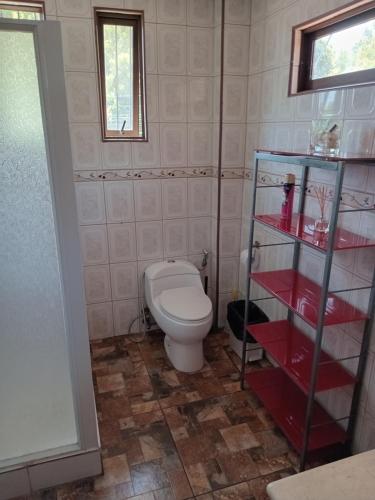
x: 168, y: 435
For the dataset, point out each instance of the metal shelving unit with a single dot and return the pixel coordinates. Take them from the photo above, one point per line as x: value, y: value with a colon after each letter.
x: 289, y: 391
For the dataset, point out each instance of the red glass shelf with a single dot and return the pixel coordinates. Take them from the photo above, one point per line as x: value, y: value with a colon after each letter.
x: 301, y: 229
x: 302, y: 296
x: 294, y: 352
x: 287, y: 405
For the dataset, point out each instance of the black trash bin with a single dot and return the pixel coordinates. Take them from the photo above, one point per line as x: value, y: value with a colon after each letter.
x: 235, y: 318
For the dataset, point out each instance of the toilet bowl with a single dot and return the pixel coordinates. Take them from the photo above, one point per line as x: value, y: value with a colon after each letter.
x: 176, y: 299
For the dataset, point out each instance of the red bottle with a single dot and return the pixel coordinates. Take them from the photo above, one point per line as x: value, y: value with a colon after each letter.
x: 288, y: 197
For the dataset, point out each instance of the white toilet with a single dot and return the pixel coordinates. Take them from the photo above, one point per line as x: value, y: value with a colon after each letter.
x: 176, y: 299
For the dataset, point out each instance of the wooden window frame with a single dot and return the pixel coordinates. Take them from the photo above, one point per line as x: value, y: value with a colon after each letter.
x: 303, y: 38
x: 135, y: 19
x: 38, y: 6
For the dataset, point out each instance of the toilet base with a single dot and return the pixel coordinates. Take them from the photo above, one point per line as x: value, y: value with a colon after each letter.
x: 185, y: 358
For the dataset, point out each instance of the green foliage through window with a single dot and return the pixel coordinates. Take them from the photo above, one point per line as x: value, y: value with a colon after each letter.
x: 118, y: 65
x: 345, y: 51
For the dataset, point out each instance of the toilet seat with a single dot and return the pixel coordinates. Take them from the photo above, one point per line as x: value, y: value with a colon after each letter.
x: 187, y: 303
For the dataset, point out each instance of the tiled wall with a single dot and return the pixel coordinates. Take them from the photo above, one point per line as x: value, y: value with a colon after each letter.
x: 278, y: 122
x: 236, y: 50
x: 140, y: 203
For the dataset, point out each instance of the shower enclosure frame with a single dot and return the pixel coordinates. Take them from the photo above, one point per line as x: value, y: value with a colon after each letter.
x: 81, y: 459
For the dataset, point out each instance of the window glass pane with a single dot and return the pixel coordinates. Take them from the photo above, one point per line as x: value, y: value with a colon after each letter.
x: 20, y: 14
x: 345, y: 51
x: 118, y: 64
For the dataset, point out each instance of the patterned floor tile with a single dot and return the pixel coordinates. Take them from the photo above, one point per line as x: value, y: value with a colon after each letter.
x: 168, y: 435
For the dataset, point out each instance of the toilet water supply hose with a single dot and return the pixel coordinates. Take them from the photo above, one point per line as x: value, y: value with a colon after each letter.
x: 136, y: 337
x: 139, y: 337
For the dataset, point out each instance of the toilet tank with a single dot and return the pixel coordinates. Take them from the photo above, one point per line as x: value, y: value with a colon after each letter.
x: 171, y: 274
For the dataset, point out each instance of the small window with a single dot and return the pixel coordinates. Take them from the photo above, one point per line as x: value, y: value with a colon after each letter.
x: 335, y: 50
x: 120, y: 51
x: 30, y: 11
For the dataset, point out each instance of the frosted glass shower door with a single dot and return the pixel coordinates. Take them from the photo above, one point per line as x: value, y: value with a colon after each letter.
x: 37, y: 409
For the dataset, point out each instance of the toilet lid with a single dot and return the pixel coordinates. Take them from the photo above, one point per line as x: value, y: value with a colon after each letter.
x: 188, y: 303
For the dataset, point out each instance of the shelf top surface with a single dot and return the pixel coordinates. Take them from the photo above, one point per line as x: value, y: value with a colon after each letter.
x: 294, y: 352
x: 302, y: 296
x: 301, y: 227
x: 287, y: 404
x: 346, y: 157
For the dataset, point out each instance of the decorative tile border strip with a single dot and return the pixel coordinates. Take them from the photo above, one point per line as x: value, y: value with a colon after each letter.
x: 350, y: 198
x: 155, y: 173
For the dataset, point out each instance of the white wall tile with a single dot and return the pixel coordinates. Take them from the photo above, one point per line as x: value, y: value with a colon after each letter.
x: 305, y: 107
x: 152, y: 96
x: 147, y: 154
x: 331, y: 103
x: 149, y: 240
x: 100, y: 320
x: 285, y: 104
x: 94, y: 244
x: 85, y: 146
x: 228, y: 275
x: 200, y: 99
x: 360, y: 102
x: 199, y: 196
x: 269, y: 102
x: 258, y: 10
x: 109, y: 4
x: 119, y: 201
x: 74, y: 8
x: 50, y: 7
x: 82, y: 96
x: 147, y: 197
x: 172, y: 98
x: 171, y: 49
x: 365, y: 258
x: 124, y: 280
x: 171, y: 11
x: 97, y: 284
x: 78, y: 44
x: 201, y: 12
x: 124, y: 312
x: 174, y: 198
x: 200, y: 51
x: 90, y: 202
x: 122, y: 242
x: 231, y: 198
x: 173, y: 140
x: 236, y: 50
x: 252, y: 143
x: 116, y: 155
x: 233, y: 145
x: 234, y: 95
x: 254, y: 92
x: 175, y: 237
x: 271, y: 54
x: 151, y: 48
x: 230, y: 238
x: 301, y: 138
x: 237, y: 11
x: 199, y: 235
x: 200, y: 144
x: 357, y: 136
x: 257, y: 42
x: 148, y: 6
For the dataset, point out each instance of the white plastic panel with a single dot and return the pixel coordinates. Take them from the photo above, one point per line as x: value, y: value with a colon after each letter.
x: 36, y: 398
